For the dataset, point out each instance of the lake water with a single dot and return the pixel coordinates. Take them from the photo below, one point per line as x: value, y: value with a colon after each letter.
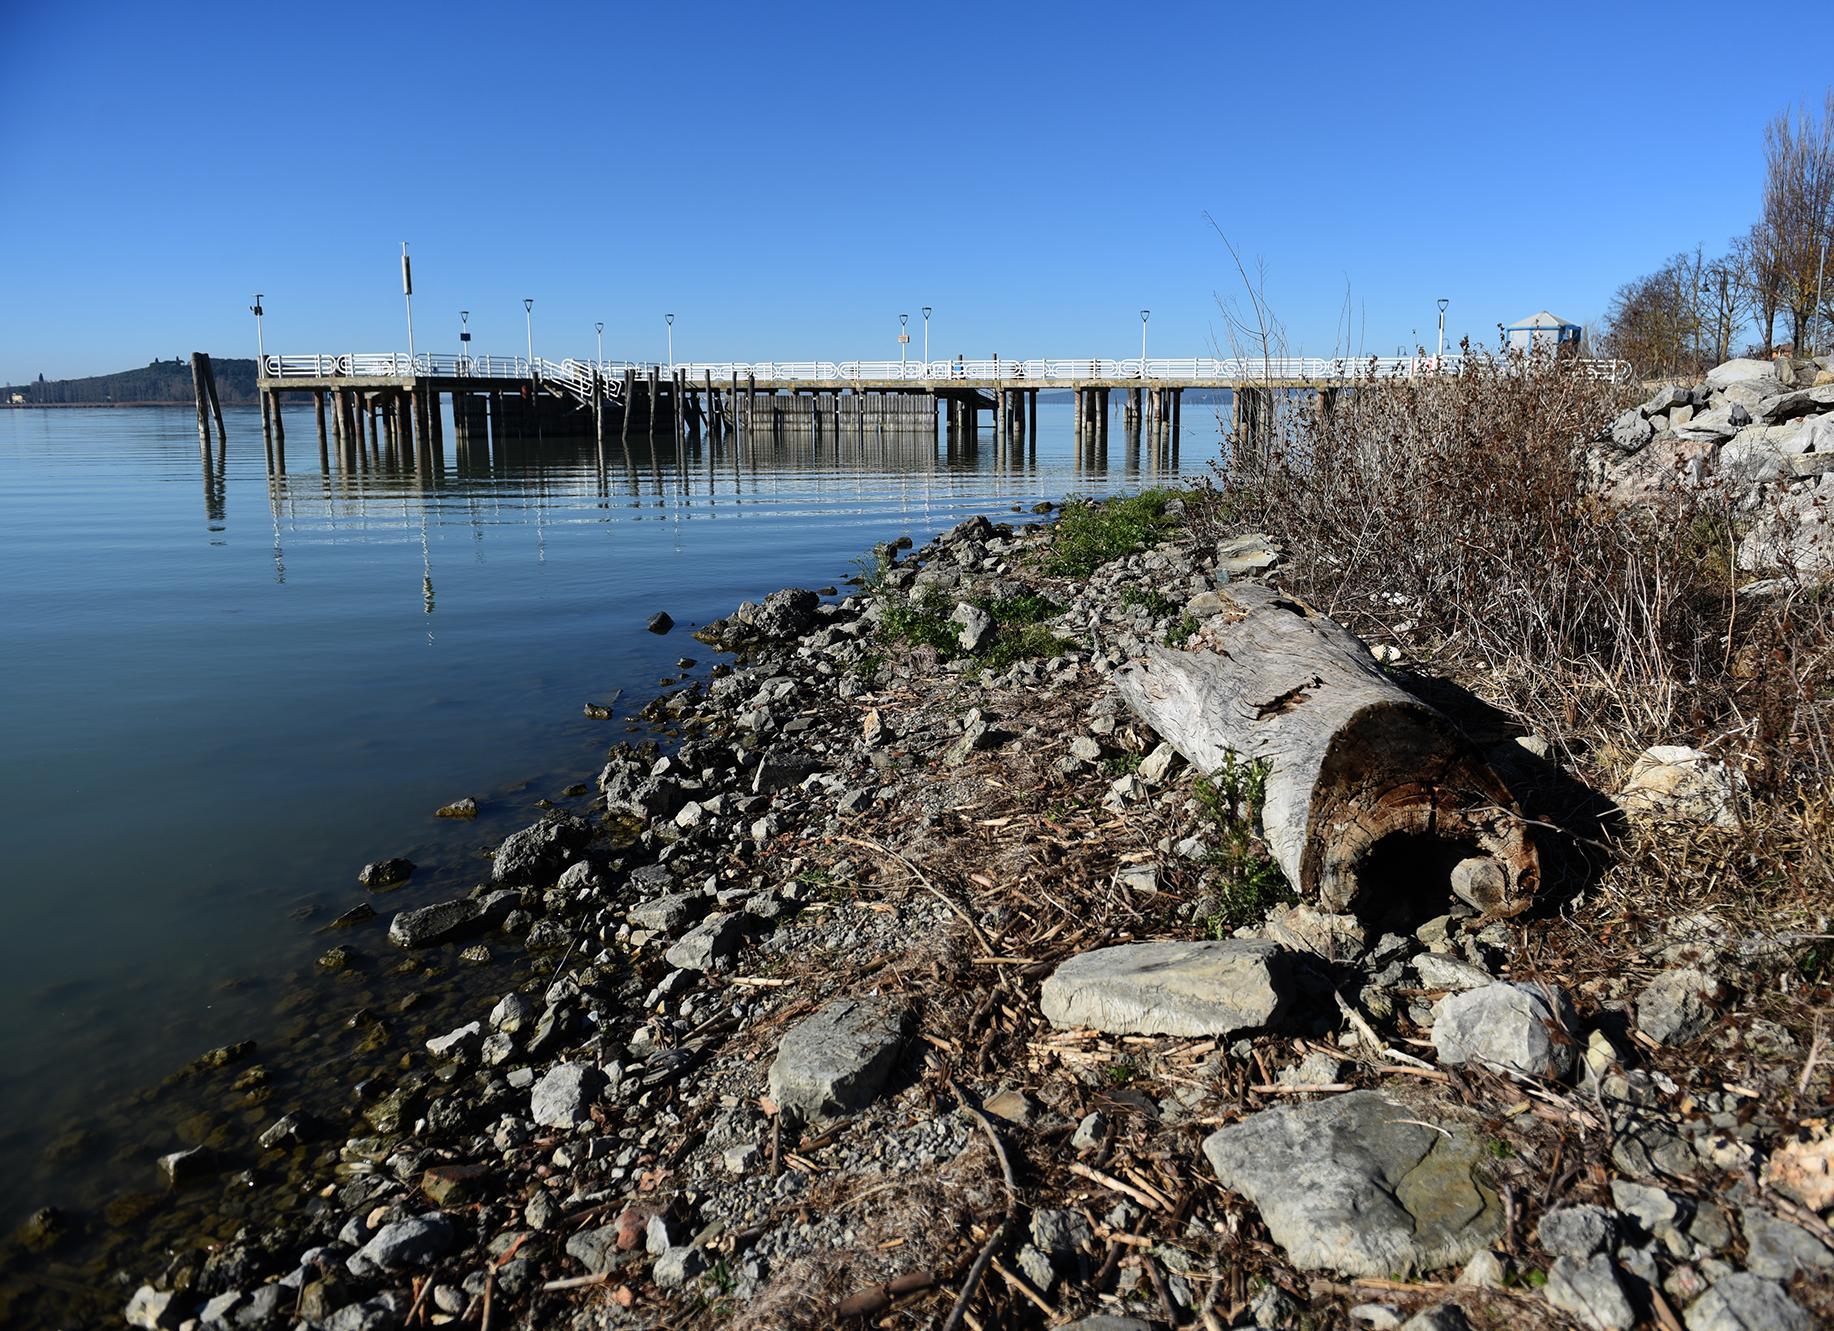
x: 227, y: 691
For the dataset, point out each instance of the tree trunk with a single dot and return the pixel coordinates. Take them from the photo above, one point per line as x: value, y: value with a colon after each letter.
x: 1375, y: 802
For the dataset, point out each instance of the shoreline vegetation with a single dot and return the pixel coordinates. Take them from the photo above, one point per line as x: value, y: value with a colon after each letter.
x: 908, y: 977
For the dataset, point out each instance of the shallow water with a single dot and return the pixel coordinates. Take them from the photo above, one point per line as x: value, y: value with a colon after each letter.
x: 226, y: 691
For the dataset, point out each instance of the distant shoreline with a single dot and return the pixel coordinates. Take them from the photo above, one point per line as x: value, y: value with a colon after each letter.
x: 91, y: 406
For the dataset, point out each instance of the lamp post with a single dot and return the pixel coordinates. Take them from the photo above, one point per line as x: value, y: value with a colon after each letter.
x: 904, y: 340
x: 599, y: 328
x: 528, y: 322
x: 1442, y: 330
x: 1144, y: 316
x: 407, y: 294
x: 670, y: 320
x: 926, y: 341
x: 260, y: 343
x: 465, y: 339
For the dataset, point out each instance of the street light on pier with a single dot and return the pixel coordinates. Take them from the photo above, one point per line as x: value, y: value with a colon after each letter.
x: 904, y: 339
x: 260, y: 342
x: 599, y: 328
x: 670, y: 320
x: 1442, y: 328
x: 464, y: 337
x: 926, y: 341
x: 528, y: 320
x: 1144, y: 316
x: 407, y: 294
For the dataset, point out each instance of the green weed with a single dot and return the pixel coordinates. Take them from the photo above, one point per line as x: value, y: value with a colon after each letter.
x: 1089, y: 535
x: 1250, y: 883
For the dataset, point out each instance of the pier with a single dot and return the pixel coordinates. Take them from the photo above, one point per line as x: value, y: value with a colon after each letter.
x: 393, y: 401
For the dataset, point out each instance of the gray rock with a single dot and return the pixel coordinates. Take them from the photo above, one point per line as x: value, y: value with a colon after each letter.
x: 835, y: 1061
x: 1251, y: 552
x: 1708, y: 427
x: 220, y: 1308
x: 1361, y: 1183
x: 1743, y: 369
x: 1157, y: 765
x: 403, y: 1245
x: 1518, y: 1028
x: 426, y: 925
x: 784, y: 614
x: 458, y: 1044
x: 1062, y: 1234
x: 709, y: 944
x: 1676, y: 1006
x: 678, y: 1266
x: 1654, y: 1209
x: 595, y: 1249
x: 1665, y: 400
x: 975, y: 626
x: 1437, y: 971
x: 1744, y: 1302
x: 564, y: 1095
x: 1306, y: 928
x: 151, y: 1308
x: 538, y: 853
x: 780, y: 768
x: 1577, y: 1231
x: 1172, y: 988
x: 183, y: 1167
x: 1273, y: 1309
x: 288, y: 1130
x: 660, y: 622
x: 385, y: 873
x: 666, y: 914
x: 512, y: 1013
x: 263, y: 1305
x: 1485, y: 1270
x: 1590, y: 1292
x: 1631, y: 431
x: 1037, y: 1269
x: 1776, y: 1249
x: 1090, y: 1132
x: 1802, y: 402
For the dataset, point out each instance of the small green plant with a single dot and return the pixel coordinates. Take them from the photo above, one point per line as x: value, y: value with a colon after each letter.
x: 1122, y: 764
x: 1180, y: 633
x: 720, y: 1276
x: 1119, y: 1073
x: 1156, y: 603
x: 921, y: 621
x: 1250, y: 882
x: 1089, y: 535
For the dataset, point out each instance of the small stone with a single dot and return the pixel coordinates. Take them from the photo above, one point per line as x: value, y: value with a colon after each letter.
x: 668, y: 913
x: 835, y: 1061
x: 1676, y: 782
x: 1306, y: 928
x: 1485, y: 1270
x: 459, y: 808
x: 417, y: 1241
x: 427, y: 925
x: 1676, y: 1006
x: 1037, y: 1269
x: 1157, y: 765
x: 975, y: 626
x: 678, y: 1266
x: 1440, y: 1317
x: 151, y: 1308
x: 1376, y: 1316
x: 564, y: 1096
x: 1518, y: 1028
x: 1061, y: 1234
x: 1577, y: 1231
x: 1652, y: 1208
x: 459, y: 1044
x: 184, y: 1167
x: 1173, y: 988
x: 1089, y: 1133
x: 1802, y: 1168
x: 1480, y: 882
x: 1777, y: 1249
x: 1741, y: 1301
x: 1012, y: 1107
x: 660, y: 622
x: 596, y: 1249
x: 542, y: 1211
x: 1085, y: 749
x: 385, y: 873
x: 710, y: 944
x: 743, y: 1159
x: 1438, y: 971
x: 512, y: 1013
x: 1590, y: 1292
x: 287, y: 1131
x: 451, y: 1185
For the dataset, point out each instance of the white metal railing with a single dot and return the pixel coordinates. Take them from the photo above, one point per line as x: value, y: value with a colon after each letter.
x: 583, y: 377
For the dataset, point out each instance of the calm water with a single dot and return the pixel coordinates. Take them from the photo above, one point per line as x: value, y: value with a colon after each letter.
x: 225, y: 693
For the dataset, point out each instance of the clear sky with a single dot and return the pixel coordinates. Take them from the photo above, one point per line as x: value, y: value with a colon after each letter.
x: 787, y: 179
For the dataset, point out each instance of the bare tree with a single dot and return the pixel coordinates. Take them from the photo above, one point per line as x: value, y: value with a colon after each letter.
x: 1799, y: 206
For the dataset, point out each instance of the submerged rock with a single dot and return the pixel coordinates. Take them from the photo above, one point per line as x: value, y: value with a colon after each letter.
x: 538, y: 853
x: 385, y: 873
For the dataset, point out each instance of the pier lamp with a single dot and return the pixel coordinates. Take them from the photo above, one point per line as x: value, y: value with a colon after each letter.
x: 904, y: 339
x: 260, y: 343
x: 599, y: 328
x: 1442, y: 327
x: 670, y: 320
x: 464, y: 339
x: 528, y: 320
x: 926, y: 341
x: 1144, y: 316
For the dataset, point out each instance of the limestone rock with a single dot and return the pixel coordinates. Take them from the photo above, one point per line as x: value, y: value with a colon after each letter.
x: 1743, y: 369
x: 1674, y: 781
x: 1171, y: 988
x: 1590, y: 1292
x: 974, y: 626
x: 151, y: 1308
x: 1676, y: 1006
x: 385, y: 874
x: 1519, y: 1028
x: 538, y: 853
x: 711, y: 943
x: 835, y: 1061
x: 1744, y: 1302
x: 1362, y: 1183
x: 416, y: 1241
x: 1577, y: 1231
x: 1802, y: 1168
x: 563, y: 1097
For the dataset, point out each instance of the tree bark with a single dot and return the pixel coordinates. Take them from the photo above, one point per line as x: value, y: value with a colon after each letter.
x: 1375, y: 801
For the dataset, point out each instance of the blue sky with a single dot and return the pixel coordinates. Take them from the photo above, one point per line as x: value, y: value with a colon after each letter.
x: 787, y: 179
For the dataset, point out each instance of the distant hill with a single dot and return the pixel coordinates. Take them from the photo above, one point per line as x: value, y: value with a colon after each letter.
x: 161, y: 381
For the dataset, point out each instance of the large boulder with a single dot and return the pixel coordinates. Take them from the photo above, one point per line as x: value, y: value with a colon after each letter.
x: 1362, y: 1184
x: 1188, y: 987
x: 1519, y: 1028
x: 1802, y: 402
x: 836, y: 1061
x: 785, y: 614
x: 1742, y: 370
x: 537, y: 854
x: 426, y: 925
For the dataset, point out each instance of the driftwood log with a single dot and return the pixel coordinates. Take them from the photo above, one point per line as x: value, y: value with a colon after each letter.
x: 1375, y: 802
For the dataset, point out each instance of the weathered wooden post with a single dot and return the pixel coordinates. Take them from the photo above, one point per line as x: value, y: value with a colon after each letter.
x: 1375, y: 802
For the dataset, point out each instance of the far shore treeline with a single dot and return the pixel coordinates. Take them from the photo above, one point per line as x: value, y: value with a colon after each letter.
x: 159, y: 382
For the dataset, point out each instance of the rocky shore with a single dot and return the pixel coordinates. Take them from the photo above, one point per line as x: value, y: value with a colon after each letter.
x: 916, y: 982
